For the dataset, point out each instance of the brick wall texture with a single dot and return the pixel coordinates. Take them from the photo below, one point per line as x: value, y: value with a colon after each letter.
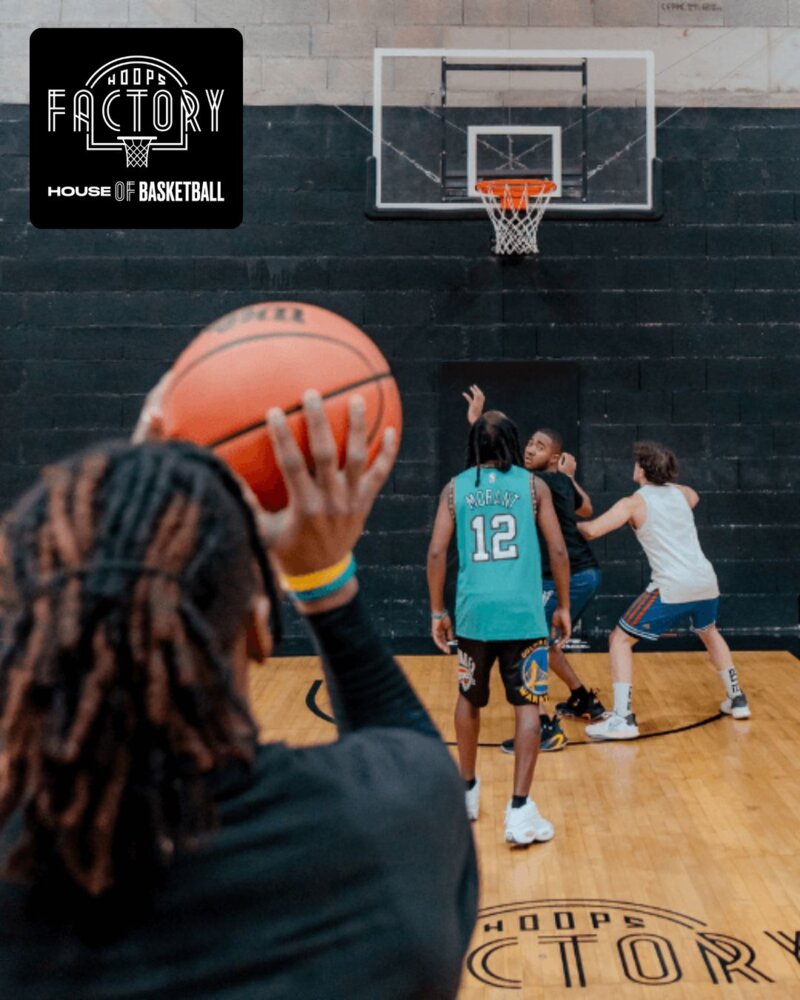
x: 684, y: 329
x: 707, y: 52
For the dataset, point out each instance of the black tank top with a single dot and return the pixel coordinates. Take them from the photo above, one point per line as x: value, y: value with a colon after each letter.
x: 565, y: 499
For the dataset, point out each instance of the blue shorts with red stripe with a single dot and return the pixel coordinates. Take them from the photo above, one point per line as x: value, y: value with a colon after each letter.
x: 649, y: 617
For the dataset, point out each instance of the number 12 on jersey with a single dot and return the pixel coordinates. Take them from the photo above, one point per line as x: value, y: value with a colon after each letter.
x: 502, y: 531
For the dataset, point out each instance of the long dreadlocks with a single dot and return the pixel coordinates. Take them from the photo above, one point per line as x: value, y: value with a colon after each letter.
x: 493, y: 438
x: 125, y: 575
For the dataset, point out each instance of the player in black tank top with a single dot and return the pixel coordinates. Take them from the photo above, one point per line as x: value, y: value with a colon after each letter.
x: 544, y: 454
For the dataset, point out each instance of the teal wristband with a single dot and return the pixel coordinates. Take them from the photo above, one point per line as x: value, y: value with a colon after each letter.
x: 328, y: 588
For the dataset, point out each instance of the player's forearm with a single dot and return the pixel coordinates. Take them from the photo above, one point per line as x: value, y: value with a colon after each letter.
x: 365, y: 684
x: 615, y: 517
x: 585, y: 509
x: 603, y: 525
x: 437, y: 571
x: 559, y: 566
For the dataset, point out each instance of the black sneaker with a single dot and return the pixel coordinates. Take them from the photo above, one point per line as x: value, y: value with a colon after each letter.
x: 553, y: 738
x: 581, y: 706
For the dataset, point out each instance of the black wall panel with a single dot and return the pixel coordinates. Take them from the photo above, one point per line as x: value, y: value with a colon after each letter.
x: 686, y: 329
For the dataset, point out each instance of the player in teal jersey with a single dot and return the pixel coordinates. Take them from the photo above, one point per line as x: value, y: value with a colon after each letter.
x: 544, y: 455
x: 494, y: 508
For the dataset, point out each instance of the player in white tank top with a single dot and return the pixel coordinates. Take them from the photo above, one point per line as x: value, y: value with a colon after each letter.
x: 669, y: 539
x: 683, y: 584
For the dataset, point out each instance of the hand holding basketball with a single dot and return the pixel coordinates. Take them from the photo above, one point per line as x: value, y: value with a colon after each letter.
x: 150, y: 425
x: 328, y: 507
x: 266, y: 355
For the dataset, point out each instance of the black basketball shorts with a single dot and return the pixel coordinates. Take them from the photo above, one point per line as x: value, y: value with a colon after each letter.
x: 523, y: 668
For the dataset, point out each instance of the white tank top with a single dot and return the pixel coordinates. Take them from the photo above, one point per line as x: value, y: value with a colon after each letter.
x: 668, y: 536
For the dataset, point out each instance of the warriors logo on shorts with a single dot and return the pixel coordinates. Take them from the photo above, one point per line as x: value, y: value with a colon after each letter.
x: 534, y: 672
x: 466, y: 671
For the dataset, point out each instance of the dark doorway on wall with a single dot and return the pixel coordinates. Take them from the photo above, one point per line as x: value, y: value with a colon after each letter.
x: 533, y: 393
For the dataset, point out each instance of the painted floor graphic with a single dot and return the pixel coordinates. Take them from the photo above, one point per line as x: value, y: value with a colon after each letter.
x: 674, y: 872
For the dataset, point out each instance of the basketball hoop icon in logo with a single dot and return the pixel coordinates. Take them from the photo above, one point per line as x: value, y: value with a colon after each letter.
x: 139, y: 104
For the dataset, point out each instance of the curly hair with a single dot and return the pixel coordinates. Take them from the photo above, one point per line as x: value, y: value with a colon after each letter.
x: 658, y: 463
x: 125, y: 576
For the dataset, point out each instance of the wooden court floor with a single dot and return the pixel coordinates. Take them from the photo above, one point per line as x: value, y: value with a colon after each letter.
x: 675, y: 868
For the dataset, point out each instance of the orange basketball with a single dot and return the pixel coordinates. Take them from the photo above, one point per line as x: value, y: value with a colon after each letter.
x: 267, y: 355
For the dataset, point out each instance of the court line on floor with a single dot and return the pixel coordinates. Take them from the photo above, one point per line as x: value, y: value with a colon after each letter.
x: 313, y: 707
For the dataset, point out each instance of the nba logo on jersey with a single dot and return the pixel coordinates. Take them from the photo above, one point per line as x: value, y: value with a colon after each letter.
x: 534, y: 673
x: 136, y: 128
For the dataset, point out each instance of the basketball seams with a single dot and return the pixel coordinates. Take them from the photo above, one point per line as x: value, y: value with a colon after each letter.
x: 192, y: 365
x: 376, y: 380
x: 376, y: 423
x: 258, y: 363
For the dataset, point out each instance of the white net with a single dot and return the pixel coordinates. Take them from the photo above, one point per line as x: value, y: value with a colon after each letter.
x: 137, y: 148
x: 515, y: 209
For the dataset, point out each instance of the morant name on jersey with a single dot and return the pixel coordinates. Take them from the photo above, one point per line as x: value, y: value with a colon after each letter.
x: 491, y: 498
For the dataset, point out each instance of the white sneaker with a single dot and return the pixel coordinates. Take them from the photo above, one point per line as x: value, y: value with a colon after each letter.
x: 473, y: 799
x: 614, y: 727
x: 524, y: 825
x: 737, y: 707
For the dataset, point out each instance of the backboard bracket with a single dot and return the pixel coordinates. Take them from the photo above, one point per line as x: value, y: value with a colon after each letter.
x: 463, y: 212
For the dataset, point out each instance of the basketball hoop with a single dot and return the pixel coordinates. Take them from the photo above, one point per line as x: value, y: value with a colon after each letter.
x: 137, y: 148
x: 515, y: 206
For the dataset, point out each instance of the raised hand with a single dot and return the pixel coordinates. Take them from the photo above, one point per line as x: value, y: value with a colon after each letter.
x: 567, y: 464
x: 475, y: 402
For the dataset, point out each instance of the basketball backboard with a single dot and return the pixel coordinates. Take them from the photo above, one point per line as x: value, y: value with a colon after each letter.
x: 444, y: 119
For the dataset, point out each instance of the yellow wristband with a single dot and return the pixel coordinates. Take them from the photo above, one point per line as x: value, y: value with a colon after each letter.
x: 319, y: 578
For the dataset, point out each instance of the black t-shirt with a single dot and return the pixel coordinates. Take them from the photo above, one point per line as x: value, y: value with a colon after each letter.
x: 338, y: 871
x: 565, y: 500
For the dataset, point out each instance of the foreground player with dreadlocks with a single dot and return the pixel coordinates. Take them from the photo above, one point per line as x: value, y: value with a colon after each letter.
x: 157, y: 850
x: 494, y: 507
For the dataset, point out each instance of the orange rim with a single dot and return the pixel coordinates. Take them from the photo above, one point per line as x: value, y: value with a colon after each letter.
x: 514, y: 192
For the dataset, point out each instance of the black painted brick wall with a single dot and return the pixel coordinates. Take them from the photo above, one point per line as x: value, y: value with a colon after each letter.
x: 685, y: 329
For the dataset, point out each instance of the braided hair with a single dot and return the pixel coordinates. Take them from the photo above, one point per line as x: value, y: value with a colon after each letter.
x: 125, y: 577
x: 493, y: 438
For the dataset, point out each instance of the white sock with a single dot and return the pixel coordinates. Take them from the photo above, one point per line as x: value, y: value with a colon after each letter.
x: 731, y: 682
x: 622, y: 698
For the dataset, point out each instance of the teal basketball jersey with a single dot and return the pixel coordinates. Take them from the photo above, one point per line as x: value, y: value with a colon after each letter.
x: 499, y: 588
